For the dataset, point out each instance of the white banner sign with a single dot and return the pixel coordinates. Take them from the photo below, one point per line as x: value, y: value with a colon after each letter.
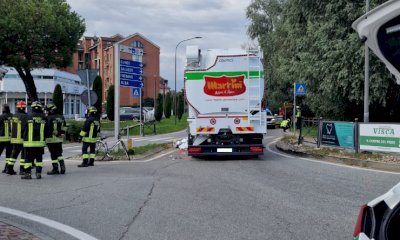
x: 383, y: 137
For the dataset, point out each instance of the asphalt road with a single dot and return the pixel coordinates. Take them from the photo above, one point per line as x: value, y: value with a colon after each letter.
x: 177, y: 197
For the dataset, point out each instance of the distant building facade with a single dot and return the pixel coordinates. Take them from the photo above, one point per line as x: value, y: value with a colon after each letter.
x: 98, y: 53
x: 12, y: 89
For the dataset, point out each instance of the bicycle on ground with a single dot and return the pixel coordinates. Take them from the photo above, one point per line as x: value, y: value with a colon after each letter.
x: 103, y: 151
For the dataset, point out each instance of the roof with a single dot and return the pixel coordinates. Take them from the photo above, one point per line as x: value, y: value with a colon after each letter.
x: 140, y: 35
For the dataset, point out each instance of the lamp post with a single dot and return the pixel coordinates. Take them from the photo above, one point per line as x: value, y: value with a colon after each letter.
x: 176, y: 48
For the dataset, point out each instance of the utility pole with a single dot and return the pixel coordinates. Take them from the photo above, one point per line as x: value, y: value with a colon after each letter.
x: 366, y: 75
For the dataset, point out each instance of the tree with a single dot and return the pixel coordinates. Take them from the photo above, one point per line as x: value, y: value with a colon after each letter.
x: 110, y: 103
x: 37, y: 34
x: 305, y: 41
x: 58, y: 99
x: 98, y: 89
x: 158, y: 111
x: 168, y: 105
x: 180, y: 106
x: 148, y: 102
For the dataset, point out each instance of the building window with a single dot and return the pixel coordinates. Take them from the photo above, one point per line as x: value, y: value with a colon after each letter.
x: 137, y: 44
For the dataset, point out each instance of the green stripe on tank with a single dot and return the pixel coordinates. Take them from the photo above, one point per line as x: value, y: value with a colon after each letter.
x: 200, y: 75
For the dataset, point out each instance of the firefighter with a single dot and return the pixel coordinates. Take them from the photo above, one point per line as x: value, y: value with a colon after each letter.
x: 285, y: 124
x: 89, y: 135
x: 34, y: 140
x: 5, y: 134
x: 19, y: 120
x: 56, y: 127
x: 298, y: 117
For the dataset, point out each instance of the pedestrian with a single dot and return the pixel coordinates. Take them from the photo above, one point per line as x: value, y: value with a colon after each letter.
x: 285, y: 124
x: 5, y: 134
x: 56, y: 128
x: 19, y: 120
x: 34, y: 140
x: 89, y: 134
x: 298, y: 117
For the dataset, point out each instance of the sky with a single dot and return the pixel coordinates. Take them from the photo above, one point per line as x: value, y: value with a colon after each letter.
x: 220, y: 23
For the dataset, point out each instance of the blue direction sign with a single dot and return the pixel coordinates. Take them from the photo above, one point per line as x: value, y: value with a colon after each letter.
x: 131, y: 70
x: 130, y: 63
x: 136, y: 84
x: 300, y: 89
x: 130, y: 77
x: 136, y: 92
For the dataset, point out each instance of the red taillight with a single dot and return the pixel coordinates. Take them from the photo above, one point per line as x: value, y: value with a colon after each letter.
x: 194, y: 150
x: 357, y: 229
x: 256, y: 149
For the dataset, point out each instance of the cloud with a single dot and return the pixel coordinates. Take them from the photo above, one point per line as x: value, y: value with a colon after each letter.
x: 220, y: 23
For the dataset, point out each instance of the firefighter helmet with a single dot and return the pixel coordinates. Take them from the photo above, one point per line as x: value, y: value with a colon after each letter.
x: 21, y: 105
x: 92, y: 109
x: 51, y: 108
x: 36, y: 105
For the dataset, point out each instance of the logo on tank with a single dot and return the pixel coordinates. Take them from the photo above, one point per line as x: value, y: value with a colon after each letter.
x: 225, y: 86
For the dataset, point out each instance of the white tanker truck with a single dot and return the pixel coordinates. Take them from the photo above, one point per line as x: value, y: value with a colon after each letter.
x: 224, y: 89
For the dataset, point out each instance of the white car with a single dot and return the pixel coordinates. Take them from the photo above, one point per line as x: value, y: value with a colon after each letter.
x: 379, y: 29
x: 380, y: 218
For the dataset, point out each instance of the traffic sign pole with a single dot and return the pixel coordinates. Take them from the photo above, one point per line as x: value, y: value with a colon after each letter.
x: 117, y: 57
x: 294, y: 109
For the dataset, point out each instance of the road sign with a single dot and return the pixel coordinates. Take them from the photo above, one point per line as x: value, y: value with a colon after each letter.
x: 131, y: 70
x: 132, y: 50
x: 85, y: 97
x: 136, y: 92
x: 130, y: 63
x: 130, y: 77
x: 300, y: 89
x: 137, y: 84
x: 83, y: 74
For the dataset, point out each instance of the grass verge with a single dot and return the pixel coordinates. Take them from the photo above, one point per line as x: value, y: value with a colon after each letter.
x: 166, y: 125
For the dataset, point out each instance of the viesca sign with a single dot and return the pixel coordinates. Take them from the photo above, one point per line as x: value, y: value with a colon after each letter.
x: 380, y: 137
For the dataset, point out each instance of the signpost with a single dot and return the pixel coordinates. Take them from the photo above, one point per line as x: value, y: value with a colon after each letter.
x: 299, y: 89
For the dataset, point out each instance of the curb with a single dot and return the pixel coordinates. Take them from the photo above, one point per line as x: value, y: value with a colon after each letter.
x: 27, y: 232
x: 280, y: 145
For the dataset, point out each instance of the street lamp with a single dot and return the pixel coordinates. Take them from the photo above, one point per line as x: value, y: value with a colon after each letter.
x: 176, y: 48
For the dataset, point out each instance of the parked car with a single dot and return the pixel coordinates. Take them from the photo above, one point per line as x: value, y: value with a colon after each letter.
x: 128, y: 113
x: 380, y: 218
x: 270, y: 119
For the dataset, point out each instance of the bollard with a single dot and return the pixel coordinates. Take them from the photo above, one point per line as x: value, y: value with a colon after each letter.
x: 130, y: 144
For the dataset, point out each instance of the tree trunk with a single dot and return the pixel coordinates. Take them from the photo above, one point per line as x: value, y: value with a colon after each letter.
x: 30, y: 87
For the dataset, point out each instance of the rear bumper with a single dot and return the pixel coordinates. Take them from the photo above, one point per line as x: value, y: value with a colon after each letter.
x: 227, y: 150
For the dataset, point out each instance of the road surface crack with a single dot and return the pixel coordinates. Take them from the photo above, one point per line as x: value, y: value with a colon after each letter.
x: 128, y: 226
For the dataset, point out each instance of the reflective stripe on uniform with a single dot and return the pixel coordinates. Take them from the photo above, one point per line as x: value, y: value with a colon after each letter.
x: 92, y: 155
x: 28, y: 165
x: 8, y: 160
x: 35, y: 144
x: 54, y: 161
x: 85, y: 156
x: 60, y: 158
x: 30, y: 132
x: 39, y: 164
x: 82, y: 133
x: 11, y: 161
x: 42, y: 132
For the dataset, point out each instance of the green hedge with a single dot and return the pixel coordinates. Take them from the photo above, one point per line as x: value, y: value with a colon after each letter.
x: 74, y: 128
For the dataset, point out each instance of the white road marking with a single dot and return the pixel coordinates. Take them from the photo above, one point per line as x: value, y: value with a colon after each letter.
x: 48, y: 222
x: 328, y: 163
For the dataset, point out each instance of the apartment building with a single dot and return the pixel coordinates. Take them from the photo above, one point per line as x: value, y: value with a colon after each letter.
x: 98, y: 53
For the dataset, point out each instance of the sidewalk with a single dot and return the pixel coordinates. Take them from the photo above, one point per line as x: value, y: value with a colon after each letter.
x: 8, y: 232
